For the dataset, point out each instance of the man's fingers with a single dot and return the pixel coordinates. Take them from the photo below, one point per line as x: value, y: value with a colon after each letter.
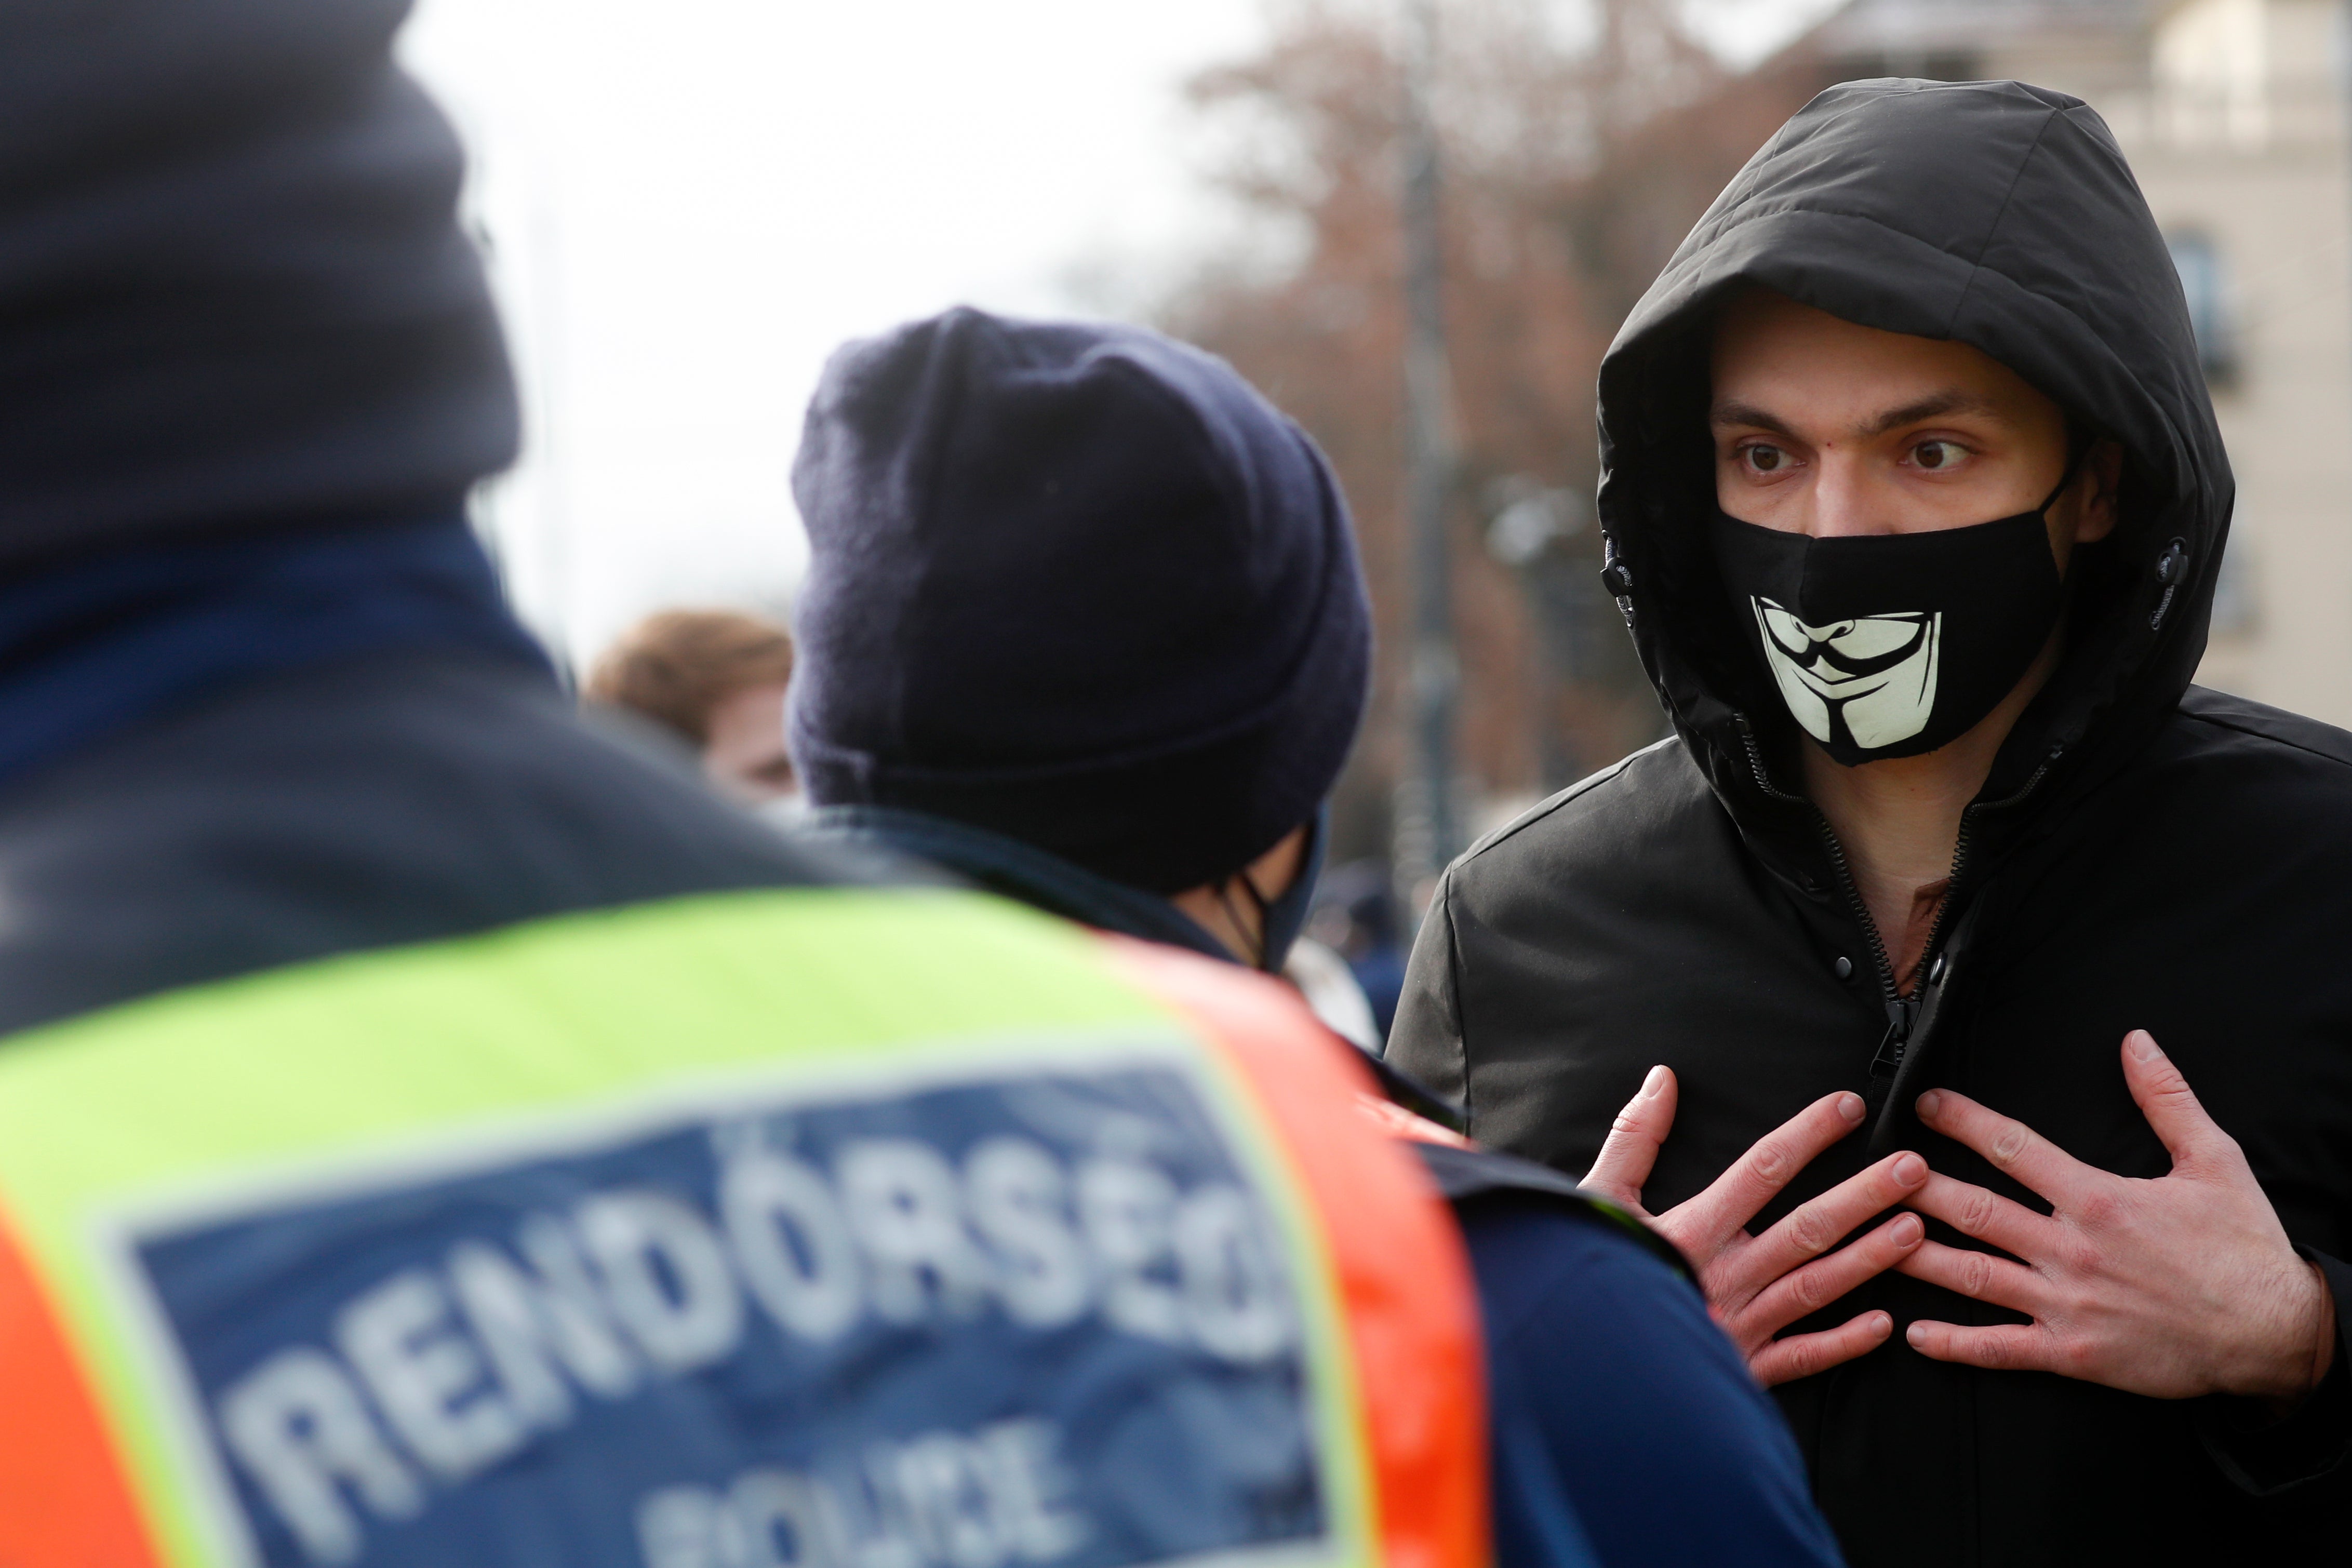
x: 2011, y: 1145
x: 1979, y: 1276
x: 2171, y: 1107
x: 1756, y: 1177
x: 1813, y: 1227
x: 1985, y: 1215
x: 1622, y: 1167
x: 1802, y: 1356
x: 2003, y: 1347
x: 1817, y: 1284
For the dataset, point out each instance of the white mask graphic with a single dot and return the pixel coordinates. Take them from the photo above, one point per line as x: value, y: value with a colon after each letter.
x: 1878, y: 671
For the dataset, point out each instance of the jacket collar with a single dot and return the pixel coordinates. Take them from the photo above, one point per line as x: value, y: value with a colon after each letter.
x: 1019, y: 871
x: 1047, y: 881
x: 98, y: 643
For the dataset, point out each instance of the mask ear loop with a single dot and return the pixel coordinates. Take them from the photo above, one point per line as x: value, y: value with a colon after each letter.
x: 2075, y: 456
x: 1226, y: 897
x: 2076, y: 452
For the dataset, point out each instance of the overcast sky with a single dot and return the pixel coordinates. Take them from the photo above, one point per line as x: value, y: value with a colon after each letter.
x: 691, y: 205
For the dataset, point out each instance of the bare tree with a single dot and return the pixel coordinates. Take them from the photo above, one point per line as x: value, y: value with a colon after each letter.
x: 1579, y: 145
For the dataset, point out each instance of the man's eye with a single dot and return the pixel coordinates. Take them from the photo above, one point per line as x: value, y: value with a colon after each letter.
x: 1765, y: 459
x: 1935, y: 454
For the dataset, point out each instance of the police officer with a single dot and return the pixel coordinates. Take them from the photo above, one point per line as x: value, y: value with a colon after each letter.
x: 1084, y: 621
x: 430, y: 1133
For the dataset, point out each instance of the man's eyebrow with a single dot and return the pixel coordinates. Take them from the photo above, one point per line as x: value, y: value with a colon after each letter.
x: 1733, y: 412
x: 1951, y: 400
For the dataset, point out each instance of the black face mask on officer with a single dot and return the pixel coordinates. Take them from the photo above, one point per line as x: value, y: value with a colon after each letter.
x: 1895, y: 644
x: 1281, y: 918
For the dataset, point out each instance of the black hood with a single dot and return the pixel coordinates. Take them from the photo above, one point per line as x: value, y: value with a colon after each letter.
x: 1992, y: 214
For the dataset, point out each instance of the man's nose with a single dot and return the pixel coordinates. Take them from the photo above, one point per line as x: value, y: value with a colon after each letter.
x: 1845, y: 500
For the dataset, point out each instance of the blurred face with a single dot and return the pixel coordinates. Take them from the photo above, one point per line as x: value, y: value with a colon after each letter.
x: 745, y: 755
x: 1825, y: 428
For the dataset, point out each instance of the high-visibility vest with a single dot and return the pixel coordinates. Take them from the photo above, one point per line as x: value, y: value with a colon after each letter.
x: 863, y: 1229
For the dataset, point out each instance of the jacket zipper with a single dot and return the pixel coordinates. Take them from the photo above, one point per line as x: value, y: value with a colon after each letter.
x: 1902, y: 1012
x: 1961, y: 849
x: 1897, y: 1015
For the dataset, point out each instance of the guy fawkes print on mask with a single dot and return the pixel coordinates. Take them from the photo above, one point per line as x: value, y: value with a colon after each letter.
x: 1894, y: 645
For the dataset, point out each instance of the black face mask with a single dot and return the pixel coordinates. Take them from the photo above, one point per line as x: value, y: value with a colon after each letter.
x: 1281, y: 918
x: 1895, y: 644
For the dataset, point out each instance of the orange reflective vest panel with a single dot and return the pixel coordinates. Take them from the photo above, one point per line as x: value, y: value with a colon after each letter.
x: 1413, y: 1312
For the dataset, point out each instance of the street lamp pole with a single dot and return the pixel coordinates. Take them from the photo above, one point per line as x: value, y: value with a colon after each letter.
x: 1429, y: 831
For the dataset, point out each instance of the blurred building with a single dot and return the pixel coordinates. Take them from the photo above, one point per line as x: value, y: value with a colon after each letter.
x: 2233, y: 115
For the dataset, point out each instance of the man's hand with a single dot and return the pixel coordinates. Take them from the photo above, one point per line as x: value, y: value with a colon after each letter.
x: 1758, y: 1285
x: 2172, y: 1288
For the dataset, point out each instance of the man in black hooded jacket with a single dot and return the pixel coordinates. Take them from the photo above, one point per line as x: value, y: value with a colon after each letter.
x: 2149, y: 1375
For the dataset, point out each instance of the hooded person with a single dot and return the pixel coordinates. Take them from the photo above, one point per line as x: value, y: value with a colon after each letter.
x: 245, y: 624
x: 1945, y: 837
x: 431, y: 1132
x: 1084, y: 623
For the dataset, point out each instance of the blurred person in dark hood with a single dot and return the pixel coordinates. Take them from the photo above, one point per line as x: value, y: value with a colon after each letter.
x: 1915, y: 501
x: 1084, y: 623
x: 261, y: 698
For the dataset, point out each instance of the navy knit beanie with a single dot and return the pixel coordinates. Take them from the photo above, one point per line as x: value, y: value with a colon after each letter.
x: 1079, y: 585
x: 234, y: 294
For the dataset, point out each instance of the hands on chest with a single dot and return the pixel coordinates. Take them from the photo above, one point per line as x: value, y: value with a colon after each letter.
x: 2174, y: 1287
x: 1757, y: 1285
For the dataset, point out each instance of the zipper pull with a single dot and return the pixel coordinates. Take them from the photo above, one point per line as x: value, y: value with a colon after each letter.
x: 1900, y: 1013
x: 1899, y: 1016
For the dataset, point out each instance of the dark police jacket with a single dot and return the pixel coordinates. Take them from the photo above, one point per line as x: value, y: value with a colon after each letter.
x: 2145, y: 856
x: 359, y: 805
